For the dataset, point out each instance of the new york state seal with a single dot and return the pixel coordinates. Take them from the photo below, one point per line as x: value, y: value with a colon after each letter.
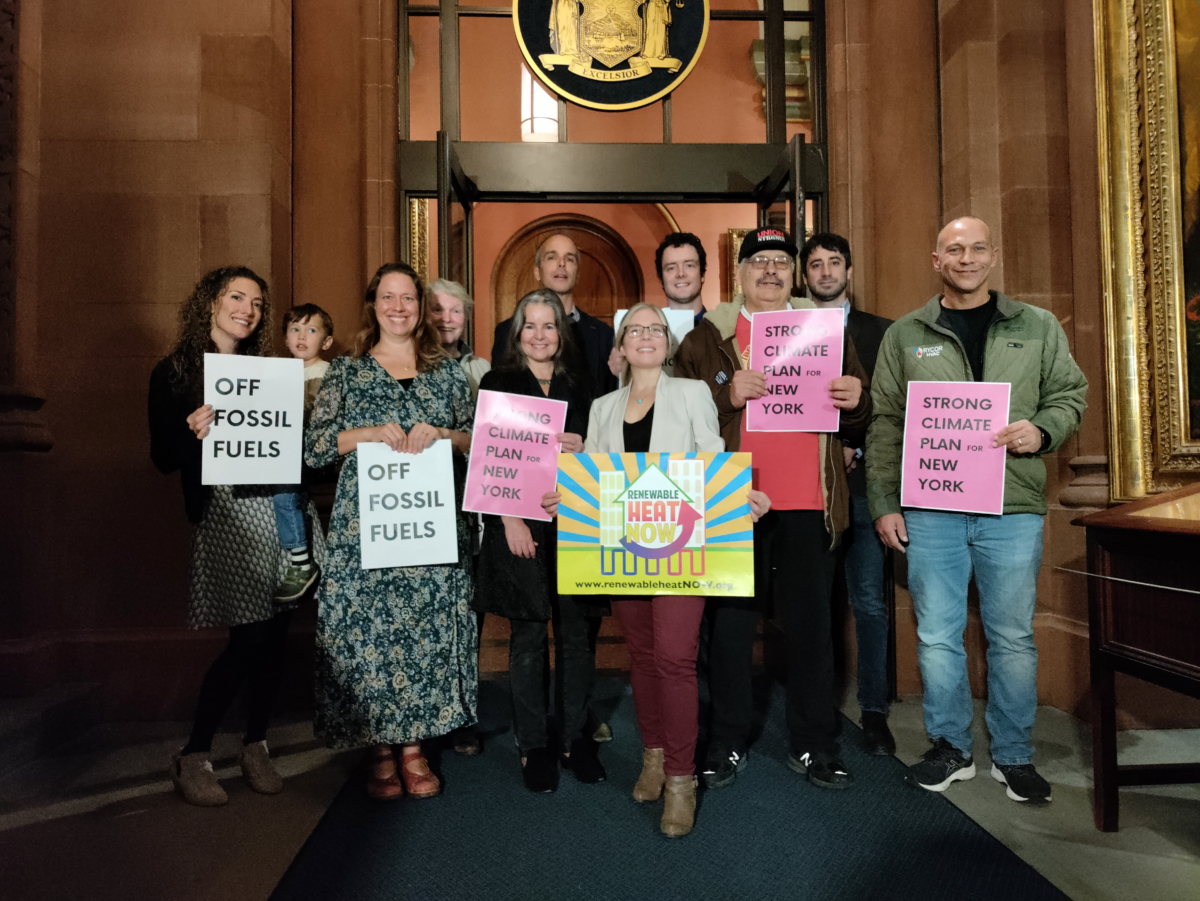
x: 611, y: 54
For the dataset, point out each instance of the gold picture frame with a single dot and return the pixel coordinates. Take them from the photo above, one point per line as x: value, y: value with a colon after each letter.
x: 418, y: 236
x: 1154, y: 438
x: 732, y: 286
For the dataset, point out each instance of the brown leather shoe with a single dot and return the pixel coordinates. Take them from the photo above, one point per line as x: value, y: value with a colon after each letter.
x: 650, y: 784
x: 383, y: 783
x: 679, y: 808
x: 419, y: 782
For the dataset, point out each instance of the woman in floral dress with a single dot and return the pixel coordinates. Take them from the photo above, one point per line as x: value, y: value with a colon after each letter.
x: 396, y: 648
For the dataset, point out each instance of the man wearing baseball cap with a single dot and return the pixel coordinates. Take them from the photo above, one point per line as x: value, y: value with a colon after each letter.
x: 804, y: 475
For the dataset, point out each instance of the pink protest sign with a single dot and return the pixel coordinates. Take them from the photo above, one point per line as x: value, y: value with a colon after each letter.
x: 514, y: 455
x: 800, y: 351
x: 949, y: 461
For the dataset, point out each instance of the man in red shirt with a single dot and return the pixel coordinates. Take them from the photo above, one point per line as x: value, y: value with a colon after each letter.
x: 803, y: 473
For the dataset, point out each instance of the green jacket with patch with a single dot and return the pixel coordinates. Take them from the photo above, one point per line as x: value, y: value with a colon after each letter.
x: 1025, y: 347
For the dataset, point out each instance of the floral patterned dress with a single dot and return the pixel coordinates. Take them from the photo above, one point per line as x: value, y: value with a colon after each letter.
x: 397, y: 649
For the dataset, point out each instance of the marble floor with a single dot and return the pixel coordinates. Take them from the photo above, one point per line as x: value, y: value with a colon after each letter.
x: 98, y: 819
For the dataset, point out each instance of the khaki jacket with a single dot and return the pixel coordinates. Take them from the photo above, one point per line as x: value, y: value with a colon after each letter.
x: 685, y: 419
x: 711, y: 354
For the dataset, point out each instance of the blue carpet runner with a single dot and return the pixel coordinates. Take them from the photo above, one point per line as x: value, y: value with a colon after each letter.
x: 770, y: 835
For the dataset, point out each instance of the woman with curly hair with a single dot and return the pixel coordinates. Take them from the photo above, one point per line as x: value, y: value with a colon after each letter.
x: 397, y: 654
x: 236, y: 556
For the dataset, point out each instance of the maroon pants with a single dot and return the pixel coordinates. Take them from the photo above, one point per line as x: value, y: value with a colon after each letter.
x: 662, y: 634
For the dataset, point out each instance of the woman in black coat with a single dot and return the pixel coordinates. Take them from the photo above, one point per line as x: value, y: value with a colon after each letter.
x: 516, y: 574
x: 236, y: 556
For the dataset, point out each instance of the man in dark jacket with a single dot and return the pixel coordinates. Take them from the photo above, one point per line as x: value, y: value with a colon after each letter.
x: 804, y: 475
x: 825, y: 263
x: 556, y: 267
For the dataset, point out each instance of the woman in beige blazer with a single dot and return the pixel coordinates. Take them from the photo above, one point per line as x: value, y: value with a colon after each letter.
x: 653, y: 412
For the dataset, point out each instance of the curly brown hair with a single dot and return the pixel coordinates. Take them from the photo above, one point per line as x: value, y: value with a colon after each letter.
x: 194, y: 338
x: 426, y: 339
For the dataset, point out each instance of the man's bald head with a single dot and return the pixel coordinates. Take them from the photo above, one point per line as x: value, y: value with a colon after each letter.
x: 964, y: 258
x: 968, y: 228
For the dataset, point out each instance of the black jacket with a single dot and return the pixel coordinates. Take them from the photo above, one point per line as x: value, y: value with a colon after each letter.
x: 517, y: 587
x: 173, y: 446
x: 594, y: 340
x: 866, y: 333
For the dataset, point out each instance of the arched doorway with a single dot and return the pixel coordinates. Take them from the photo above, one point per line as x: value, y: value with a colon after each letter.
x: 610, y: 278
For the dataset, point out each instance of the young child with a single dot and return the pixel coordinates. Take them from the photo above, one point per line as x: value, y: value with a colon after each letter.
x: 309, y: 331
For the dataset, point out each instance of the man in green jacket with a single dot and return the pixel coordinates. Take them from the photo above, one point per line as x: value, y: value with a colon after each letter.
x: 971, y: 333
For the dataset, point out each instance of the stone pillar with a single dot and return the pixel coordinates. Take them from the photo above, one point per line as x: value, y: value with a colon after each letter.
x: 22, y: 427
x: 344, y: 154
x: 329, y: 247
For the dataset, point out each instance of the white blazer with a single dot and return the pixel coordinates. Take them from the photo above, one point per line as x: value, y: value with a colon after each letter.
x: 685, y: 419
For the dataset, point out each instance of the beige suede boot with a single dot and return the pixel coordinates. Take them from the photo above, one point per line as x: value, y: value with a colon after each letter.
x: 194, y: 777
x: 258, y: 770
x: 650, y: 784
x: 679, y: 808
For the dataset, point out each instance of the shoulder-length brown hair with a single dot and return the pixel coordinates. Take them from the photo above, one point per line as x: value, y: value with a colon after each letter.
x: 566, y: 358
x: 425, y: 336
x: 194, y: 338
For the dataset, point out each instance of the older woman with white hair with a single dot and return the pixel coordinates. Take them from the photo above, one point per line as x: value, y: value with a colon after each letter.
x: 452, y: 306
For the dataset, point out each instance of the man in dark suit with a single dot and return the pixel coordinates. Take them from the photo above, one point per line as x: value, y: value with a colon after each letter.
x: 556, y: 267
x: 825, y: 265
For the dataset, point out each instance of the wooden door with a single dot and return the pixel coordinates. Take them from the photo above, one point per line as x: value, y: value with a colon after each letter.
x: 610, y: 278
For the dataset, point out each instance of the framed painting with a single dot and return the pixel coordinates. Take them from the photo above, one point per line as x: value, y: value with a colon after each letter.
x: 1148, y: 107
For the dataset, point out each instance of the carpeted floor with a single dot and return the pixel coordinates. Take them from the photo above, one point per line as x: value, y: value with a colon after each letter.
x: 770, y: 835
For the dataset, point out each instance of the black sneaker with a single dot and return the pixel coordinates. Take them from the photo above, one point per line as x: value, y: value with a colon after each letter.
x: 584, y: 762
x: 941, y: 765
x: 539, y: 771
x: 877, y: 737
x: 723, y: 764
x: 822, y: 768
x: 1023, y: 781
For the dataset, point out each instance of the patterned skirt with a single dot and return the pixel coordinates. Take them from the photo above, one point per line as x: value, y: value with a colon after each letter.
x: 237, y: 560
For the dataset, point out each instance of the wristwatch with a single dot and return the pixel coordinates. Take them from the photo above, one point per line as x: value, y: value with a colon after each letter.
x: 1045, y: 440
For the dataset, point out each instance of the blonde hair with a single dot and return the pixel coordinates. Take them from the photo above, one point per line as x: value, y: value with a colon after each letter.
x: 627, y: 321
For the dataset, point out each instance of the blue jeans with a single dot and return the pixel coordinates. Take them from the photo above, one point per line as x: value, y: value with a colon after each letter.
x: 864, y: 582
x: 289, y: 520
x: 1005, y: 554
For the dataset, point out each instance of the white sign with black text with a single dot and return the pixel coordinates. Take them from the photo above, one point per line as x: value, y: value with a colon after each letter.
x: 406, y: 514
x: 257, y: 434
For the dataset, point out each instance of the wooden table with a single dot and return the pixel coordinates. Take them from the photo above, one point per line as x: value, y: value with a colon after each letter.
x: 1144, y: 617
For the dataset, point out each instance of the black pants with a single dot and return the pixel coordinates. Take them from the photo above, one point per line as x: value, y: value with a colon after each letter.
x: 253, y: 658
x: 795, y: 544
x: 575, y: 674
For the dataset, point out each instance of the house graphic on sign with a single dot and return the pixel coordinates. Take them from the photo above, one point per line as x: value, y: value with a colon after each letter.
x: 655, y: 516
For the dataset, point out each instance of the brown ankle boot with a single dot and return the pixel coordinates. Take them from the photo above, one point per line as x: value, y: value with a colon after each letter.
x: 650, y: 783
x: 679, y: 808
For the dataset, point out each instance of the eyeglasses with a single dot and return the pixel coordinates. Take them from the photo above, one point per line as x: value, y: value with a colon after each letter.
x: 654, y: 331
x: 780, y: 263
